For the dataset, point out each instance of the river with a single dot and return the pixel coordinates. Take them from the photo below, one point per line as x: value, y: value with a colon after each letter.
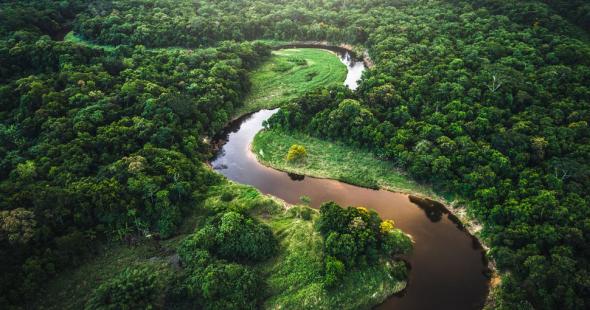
x: 448, y: 266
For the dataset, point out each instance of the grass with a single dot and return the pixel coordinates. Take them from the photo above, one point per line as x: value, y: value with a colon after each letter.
x: 295, y: 276
x: 332, y: 160
x: 290, y: 73
x: 72, y: 37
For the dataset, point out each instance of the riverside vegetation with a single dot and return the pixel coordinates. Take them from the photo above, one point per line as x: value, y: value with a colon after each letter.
x: 185, y: 237
x: 486, y: 100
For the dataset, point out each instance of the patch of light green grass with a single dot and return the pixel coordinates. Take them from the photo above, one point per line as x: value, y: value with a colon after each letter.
x: 326, y: 159
x: 72, y: 37
x: 282, y: 78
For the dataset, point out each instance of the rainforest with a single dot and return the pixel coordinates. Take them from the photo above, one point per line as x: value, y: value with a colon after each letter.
x: 301, y: 154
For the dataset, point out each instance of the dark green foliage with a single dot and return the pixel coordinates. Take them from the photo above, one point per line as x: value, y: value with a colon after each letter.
x: 297, y: 60
x: 102, y: 143
x: 228, y: 286
x: 485, y: 99
x: 213, y: 283
x: 395, y: 242
x: 134, y: 288
x: 488, y: 101
x: 356, y: 237
x: 236, y: 237
x: 205, y: 23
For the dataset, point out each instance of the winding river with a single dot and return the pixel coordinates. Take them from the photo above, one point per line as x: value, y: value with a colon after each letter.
x: 448, y: 267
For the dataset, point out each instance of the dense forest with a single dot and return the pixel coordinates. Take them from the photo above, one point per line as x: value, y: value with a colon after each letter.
x: 99, y: 144
x: 486, y: 100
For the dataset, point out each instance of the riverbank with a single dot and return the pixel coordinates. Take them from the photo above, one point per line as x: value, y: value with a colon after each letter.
x: 357, y: 52
x: 288, y: 74
x: 294, y: 277
x: 334, y: 160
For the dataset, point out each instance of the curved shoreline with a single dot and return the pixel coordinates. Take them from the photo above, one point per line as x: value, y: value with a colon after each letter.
x: 457, y: 215
x: 250, y: 170
x: 342, y: 48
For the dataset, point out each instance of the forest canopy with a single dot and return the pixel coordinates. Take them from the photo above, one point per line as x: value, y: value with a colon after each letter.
x: 105, y: 138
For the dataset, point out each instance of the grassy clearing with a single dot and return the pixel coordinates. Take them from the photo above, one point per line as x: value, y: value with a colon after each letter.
x: 332, y: 160
x: 72, y: 37
x: 288, y: 74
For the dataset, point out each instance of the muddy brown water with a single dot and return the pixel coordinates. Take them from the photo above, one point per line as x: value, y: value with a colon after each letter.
x: 448, y: 267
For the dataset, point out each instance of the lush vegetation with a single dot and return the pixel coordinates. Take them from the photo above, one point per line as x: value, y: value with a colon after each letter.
x: 356, y: 237
x: 484, y: 99
x: 288, y: 75
x: 193, y: 270
x: 204, y: 23
x: 99, y: 144
x: 333, y: 160
x: 299, y: 277
x: 492, y: 105
x: 134, y: 288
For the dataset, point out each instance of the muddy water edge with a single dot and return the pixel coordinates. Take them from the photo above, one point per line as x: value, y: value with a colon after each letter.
x: 448, y: 265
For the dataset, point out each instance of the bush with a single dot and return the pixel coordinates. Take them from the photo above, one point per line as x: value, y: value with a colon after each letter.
x: 226, y: 286
x: 227, y: 197
x: 302, y: 212
x: 297, y: 153
x: 233, y: 236
x: 297, y: 61
x: 310, y: 75
x: 334, y: 271
x: 242, y: 238
x: 395, y: 242
x: 134, y: 288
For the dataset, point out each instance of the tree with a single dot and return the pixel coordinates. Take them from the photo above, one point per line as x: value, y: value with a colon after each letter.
x: 17, y: 226
x: 297, y: 153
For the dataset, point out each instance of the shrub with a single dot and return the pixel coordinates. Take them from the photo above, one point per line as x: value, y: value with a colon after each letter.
x: 334, y: 271
x: 297, y: 61
x: 306, y: 213
x: 227, y: 286
x: 227, y: 197
x: 241, y: 238
x: 343, y: 247
x: 233, y: 236
x: 297, y: 153
x: 134, y: 288
x: 395, y: 242
x: 310, y: 75
x: 302, y: 212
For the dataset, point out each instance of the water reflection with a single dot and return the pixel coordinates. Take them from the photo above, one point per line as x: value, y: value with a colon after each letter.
x: 295, y: 176
x: 448, y: 269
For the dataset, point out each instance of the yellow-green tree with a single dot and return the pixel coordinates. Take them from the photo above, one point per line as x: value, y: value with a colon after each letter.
x: 297, y: 153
